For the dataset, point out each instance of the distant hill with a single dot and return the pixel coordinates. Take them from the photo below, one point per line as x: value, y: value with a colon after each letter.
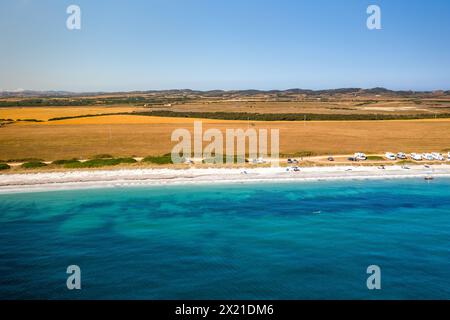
x: 225, y: 93
x: 32, y: 93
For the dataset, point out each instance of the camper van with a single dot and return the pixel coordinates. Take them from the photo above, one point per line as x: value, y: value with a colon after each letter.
x: 437, y: 156
x: 416, y: 156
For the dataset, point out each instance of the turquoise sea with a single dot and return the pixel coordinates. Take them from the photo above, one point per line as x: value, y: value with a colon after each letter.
x: 310, y: 240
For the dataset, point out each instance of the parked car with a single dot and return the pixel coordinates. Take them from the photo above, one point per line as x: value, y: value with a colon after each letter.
x: 390, y: 156
x: 330, y: 158
x: 427, y: 156
x: 360, y: 156
x: 416, y: 156
x: 401, y: 156
x: 437, y: 156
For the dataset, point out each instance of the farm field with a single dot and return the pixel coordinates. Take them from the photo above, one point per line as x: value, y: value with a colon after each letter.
x: 347, y: 107
x: 46, y: 113
x: 139, y: 136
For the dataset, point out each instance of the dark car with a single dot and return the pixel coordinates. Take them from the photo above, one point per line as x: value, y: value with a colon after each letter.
x: 330, y: 159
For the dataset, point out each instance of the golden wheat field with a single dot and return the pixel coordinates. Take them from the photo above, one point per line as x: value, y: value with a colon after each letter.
x: 132, y: 135
x: 45, y: 113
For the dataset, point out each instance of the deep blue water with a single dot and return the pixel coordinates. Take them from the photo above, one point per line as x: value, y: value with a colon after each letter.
x: 271, y: 241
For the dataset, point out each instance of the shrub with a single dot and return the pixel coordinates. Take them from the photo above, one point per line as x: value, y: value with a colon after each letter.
x: 164, y: 159
x: 30, y: 120
x: 4, y: 166
x: 33, y: 164
x: 126, y: 160
x: 63, y: 162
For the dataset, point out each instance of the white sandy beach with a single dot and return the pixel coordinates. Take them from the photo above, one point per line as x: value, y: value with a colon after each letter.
x: 46, y: 181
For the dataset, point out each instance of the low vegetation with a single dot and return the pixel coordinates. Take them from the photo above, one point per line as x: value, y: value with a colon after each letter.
x: 87, y: 116
x: 33, y: 165
x: 289, y: 116
x: 30, y: 120
x: 92, y: 101
x: 64, y: 162
x: 4, y: 166
x: 270, y: 116
x: 164, y: 159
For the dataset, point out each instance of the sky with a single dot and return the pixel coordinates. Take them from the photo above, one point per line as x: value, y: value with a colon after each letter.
x: 224, y: 44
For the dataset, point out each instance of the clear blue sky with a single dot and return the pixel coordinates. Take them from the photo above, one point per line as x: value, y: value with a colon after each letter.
x: 224, y: 44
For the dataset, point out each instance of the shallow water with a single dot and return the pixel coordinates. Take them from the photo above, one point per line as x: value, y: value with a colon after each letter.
x: 269, y: 241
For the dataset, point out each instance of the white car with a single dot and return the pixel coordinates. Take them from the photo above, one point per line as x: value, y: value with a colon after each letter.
x: 416, y: 156
x: 437, y: 156
x: 360, y: 156
x: 427, y: 156
x: 401, y: 156
x: 390, y: 156
x: 448, y: 156
x: 258, y: 161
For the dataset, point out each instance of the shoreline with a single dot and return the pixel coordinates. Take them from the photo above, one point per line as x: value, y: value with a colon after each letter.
x: 95, y: 179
